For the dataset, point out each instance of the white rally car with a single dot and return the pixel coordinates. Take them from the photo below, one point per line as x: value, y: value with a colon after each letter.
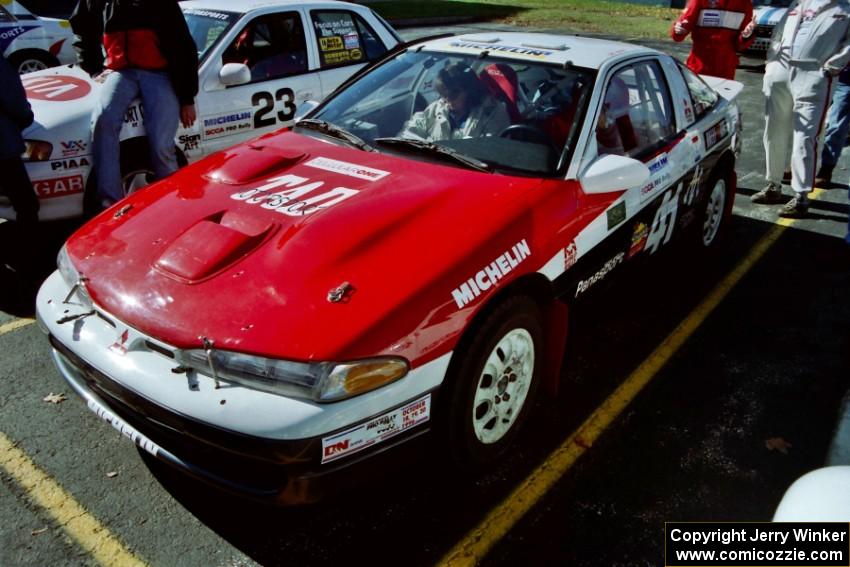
x: 32, y: 43
x: 259, y: 61
x: 766, y: 14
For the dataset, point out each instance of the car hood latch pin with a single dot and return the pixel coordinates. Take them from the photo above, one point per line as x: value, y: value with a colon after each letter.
x: 208, y: 348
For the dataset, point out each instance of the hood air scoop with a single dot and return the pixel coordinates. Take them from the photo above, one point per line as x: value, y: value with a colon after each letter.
x: 211, y: 245
x: 252, y: 162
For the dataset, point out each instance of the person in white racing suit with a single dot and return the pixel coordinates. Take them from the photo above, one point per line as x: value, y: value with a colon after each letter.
x: 464, y: 110
x: 810, y: 46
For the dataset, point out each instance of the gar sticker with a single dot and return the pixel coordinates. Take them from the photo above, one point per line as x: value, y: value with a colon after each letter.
x: 58, y: 186
x: 376, y: 430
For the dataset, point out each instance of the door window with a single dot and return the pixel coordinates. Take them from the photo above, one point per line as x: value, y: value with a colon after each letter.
x: 345, y: 38
x: 637, y: 113
x: 272, y: 46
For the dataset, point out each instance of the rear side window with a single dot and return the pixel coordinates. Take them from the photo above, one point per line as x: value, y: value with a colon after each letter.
x: 345, y: 38
x: 5, y: 16
x: 703, y: 97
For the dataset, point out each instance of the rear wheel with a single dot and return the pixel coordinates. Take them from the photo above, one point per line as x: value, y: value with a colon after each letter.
x: 716, y: 210
x: 494, y: 383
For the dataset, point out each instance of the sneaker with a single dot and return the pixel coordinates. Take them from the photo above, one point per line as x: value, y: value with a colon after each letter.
x: 770, y: 195
x: 795, y: 208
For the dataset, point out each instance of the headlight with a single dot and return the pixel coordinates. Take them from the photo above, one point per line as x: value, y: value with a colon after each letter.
x: 319, y: 381
x: 72, y: 278
x: 37, y: 150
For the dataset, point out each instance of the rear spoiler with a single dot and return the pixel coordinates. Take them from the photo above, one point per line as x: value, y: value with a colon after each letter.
x: 726, y: 88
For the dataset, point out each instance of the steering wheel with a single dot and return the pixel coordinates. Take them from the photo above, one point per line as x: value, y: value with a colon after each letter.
x: 533, y: 132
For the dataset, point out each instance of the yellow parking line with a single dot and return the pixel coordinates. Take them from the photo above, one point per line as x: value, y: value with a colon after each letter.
x: 15, y: 325
x: 58, y: 504
x: 501, y: 519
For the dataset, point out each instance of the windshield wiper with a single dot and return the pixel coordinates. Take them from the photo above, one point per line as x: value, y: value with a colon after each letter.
x: 334, y: 131
x: 432, y: 148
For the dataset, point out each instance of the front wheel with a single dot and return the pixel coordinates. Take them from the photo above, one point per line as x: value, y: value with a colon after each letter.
x: 30, y: 60
x: 494, y: 383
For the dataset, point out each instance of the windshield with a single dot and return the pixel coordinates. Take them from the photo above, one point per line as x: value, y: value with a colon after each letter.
x: 512, y: 116
x: 206, y: 26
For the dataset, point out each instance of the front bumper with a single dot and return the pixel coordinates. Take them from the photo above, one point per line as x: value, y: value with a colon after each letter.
x: 251, y: 443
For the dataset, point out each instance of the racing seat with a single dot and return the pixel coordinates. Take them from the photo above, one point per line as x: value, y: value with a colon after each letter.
x: 501, y: 81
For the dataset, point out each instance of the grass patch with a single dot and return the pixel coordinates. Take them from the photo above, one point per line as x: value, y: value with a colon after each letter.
x: 580, y: 16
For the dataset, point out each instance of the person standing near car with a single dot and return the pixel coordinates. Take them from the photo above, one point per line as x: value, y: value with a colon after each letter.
x: 810, y: 46
x: 15, y: 115
x: 719, y: 29
x: 837, y: 127
x: 149, y: 54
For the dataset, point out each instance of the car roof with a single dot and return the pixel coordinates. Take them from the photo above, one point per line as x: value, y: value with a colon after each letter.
x: 246, y: 6
x: 587, y: 52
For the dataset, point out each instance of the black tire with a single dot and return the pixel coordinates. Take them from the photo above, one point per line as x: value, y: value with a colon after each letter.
x: 476, y: 437
x: 136, y: 172
x: 715, y: 209
x: 29, y: 60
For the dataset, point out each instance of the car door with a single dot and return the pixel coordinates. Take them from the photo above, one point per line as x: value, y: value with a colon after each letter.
x: 273, y: 47
x: 345, y: 41
x: 636, y: 117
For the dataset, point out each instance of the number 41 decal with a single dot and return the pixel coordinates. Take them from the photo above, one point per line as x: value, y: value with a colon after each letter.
x: 266, y: 102
x: 664, y: 221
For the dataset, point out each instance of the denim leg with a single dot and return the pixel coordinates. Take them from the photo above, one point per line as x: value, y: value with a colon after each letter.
x: 162, y: 113
x: 837, y: 126
x: 117, y: 92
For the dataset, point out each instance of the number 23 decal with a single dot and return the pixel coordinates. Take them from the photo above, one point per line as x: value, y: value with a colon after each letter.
x: 266, y: 102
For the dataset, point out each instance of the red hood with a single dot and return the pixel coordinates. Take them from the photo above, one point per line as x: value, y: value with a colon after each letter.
x: 189, y: 260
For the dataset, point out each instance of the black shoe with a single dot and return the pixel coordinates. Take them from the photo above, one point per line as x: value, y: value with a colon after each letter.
x: 796, y: 208
x: 770, y: 195
x: 823, y: 178
x: 786, y: 178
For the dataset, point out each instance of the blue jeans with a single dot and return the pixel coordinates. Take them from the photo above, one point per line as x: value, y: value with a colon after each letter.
x: 837, y: 126
x: 161, y: 114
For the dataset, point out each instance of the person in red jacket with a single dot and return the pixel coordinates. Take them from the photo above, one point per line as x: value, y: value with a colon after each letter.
x: 719, y: 29
x: 136, y: 49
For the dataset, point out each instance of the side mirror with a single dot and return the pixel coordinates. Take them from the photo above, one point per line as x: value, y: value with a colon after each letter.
x: 234, y: 74
x: 613, y: 173
x: 305, y: 108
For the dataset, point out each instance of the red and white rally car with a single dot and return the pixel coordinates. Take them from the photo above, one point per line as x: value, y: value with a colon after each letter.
x: 280, y: 310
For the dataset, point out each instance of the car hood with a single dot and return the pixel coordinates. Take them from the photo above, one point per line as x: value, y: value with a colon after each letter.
x: 59, y: 96
x: 204, y: 254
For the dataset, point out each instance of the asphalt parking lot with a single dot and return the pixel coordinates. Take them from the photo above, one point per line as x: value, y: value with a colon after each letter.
x: 697, y: 389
